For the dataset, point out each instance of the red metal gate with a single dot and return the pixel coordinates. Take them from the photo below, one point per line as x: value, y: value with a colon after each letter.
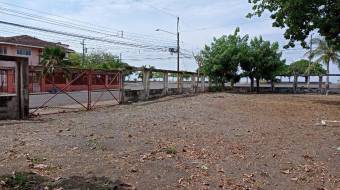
x: 3, y: 81
x: 73, y: 90
x: 7, y: 82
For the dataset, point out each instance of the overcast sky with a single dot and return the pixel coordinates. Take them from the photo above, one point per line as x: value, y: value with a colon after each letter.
x: 201, y: 20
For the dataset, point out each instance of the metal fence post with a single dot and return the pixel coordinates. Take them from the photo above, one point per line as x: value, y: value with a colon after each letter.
x: 122, y: 92
x: 89, y: 85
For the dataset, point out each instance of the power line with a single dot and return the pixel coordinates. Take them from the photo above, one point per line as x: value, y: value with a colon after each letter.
x: 84, y: 36
x: 67, y: 23
x: 156, y: 8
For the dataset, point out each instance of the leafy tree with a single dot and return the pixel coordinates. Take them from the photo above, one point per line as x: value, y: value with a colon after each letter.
x: 53, y: 57
x: 317, y: 69
x: 261, y: 60
x: 326, y: 53
x: 98, y: 60
x: 301, y: 17
x: 221, y: 59
x: 301, y: 67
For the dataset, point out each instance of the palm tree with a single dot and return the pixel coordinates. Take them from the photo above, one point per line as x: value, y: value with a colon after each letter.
x: 52, y: 57
x: 325, y: 53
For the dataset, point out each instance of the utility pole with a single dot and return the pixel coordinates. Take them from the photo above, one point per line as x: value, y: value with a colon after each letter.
x: 83, y: 56
x: 120, y: 58
x: 178, y: 54
x: 310, y: 60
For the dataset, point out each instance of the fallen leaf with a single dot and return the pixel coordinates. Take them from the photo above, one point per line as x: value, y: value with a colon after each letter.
x: 285, y: 171
x: 40, y: 166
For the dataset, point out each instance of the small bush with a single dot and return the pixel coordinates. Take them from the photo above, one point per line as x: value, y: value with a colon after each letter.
x: 170, y: 150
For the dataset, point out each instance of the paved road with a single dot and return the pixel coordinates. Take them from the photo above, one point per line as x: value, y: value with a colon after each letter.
x: 37, y: 100
x: 63, y: 99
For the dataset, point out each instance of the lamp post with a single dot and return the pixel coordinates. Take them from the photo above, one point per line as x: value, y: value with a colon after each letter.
x: 178, y: 49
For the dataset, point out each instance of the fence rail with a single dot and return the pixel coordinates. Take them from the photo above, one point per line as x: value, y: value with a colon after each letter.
x: 72, y: 89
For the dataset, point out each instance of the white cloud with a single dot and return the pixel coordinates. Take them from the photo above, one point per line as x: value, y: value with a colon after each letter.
x: 218, y: 17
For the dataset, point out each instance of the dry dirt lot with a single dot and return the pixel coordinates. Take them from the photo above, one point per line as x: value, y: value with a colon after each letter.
x: 210, y: 141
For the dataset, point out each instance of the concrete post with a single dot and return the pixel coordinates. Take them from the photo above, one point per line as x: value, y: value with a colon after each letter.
x: 202, y: 83
x: 146, y: 84
x: 165, y: 83
x: 193, y: 82
x: 22, y: 89
x: 181, y: 80
x: 320, y: 83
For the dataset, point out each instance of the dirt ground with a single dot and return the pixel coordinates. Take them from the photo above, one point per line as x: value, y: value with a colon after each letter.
x: 209, y: 141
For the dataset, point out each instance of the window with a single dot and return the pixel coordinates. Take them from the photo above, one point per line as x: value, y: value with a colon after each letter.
x: 3, y: 51
x: 24, y: 52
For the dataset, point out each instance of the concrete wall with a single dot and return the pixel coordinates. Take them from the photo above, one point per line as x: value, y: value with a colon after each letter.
x: 16, y: 106
x: 147, y: 93
x: 9, y: 107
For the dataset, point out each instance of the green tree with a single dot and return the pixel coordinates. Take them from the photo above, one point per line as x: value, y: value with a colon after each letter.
x: 326, y: 53
x: 300, y: 68
x: 301, y: 17
x: 221, y: 59
x: 52, y: 58
x: 98, y: 60
x: 261, y: 60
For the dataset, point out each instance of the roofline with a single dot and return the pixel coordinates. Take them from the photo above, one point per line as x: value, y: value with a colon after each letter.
x: 15, y: 44
x: 39, y: 47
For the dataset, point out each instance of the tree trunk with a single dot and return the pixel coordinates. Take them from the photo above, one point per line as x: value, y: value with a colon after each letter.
x: 251, y: 84
x: 222, y: 85
x: 327, y: 78
x: 306, y: 79
x: 272, y: 85
x: 232, y: 83
x: 295, y: 83
x: 257, y: 85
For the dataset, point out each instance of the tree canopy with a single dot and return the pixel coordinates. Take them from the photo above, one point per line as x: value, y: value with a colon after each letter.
x: 301, y: 17
x: 260, y: 59
x: 221, y: 58
x: 97, y: 60
x: 325, y: 53
x: 53, y: 57
x: 303, y: 67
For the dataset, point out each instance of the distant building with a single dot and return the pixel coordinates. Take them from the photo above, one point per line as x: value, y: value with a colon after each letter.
x: 25, y: 46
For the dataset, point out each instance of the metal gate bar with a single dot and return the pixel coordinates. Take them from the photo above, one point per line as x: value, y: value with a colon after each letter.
x: 61, y: 90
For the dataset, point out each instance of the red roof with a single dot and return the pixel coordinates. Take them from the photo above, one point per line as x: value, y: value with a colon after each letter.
x: 26, y: 40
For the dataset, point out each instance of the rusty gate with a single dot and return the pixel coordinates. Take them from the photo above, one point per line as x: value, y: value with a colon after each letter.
x: 73, y: 90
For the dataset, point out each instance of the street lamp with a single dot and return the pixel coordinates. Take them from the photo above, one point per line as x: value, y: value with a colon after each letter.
x: 178, y: 48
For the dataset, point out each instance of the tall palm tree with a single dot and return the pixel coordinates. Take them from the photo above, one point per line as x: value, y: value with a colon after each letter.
x: 325, y: 53
x: 52, y: 57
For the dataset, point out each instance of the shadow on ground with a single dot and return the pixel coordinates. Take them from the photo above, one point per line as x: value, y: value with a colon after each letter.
x: 25, y: 181
x: 328, y: 102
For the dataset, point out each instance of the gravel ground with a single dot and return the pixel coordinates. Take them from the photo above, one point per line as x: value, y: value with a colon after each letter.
x: 209, y: 141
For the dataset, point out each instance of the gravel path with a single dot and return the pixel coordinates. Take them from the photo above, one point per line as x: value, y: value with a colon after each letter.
x: 209, y: 141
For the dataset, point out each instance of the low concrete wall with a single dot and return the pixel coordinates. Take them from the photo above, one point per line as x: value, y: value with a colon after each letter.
x: 9, y: 107
x: 139, y: 95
